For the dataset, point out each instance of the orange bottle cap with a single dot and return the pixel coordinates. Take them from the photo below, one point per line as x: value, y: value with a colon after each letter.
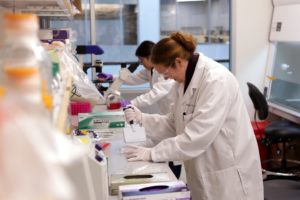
x: 21, y: 16
x: 21, y: 21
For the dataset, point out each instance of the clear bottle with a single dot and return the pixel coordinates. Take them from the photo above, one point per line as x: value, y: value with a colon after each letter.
x: 25, y: 66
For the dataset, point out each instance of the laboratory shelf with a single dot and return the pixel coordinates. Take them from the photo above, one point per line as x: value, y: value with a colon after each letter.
x: 49, y: 8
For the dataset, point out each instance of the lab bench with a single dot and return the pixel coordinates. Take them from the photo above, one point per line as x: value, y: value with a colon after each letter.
x: 117, y: 163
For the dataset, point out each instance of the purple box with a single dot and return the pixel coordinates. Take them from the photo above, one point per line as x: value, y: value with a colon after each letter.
x: 60, y: 34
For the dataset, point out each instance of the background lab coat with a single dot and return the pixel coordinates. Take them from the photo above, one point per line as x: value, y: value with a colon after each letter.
x: 160, y: 92
x: 214, y: 138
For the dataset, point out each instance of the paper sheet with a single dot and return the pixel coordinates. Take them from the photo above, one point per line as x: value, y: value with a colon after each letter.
x: 134, y: 133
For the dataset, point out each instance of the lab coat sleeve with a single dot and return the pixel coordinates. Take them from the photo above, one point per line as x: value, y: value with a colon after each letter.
x: 139, y: 78
x: 209, y: 115
x: 159, y: 90
x: 159, y: 127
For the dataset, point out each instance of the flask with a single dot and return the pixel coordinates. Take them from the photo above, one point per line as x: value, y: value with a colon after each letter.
x: 25, y: 67
x: 113, y: 100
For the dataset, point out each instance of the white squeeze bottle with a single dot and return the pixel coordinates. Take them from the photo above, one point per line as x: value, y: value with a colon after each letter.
x: 25, y: 67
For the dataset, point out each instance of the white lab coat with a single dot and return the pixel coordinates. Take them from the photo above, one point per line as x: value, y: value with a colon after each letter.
x: 159, y: 93
x: 210, y: 130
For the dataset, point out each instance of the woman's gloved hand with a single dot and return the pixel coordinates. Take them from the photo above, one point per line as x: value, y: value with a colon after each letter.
x: 132, y: 114
x: 124, y: 74
x: 136, y: 153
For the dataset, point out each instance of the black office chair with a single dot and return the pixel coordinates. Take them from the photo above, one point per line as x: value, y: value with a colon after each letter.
x: 277, y: 132
x: 277, y: 185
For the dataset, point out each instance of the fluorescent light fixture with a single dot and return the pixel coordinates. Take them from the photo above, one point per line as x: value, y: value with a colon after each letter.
x: 189, y: 0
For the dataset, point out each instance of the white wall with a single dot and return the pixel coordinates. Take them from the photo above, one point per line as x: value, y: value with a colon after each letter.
x: 250, y: 31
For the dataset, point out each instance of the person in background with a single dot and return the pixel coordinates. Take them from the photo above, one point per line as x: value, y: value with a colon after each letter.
x: 208, y: 128
x: 160, y: 88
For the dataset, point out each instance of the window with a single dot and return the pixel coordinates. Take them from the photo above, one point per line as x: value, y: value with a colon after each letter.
x: 120, y: 25
x: 116, y: 29
x: 116, y: 32
x: 206, y: 20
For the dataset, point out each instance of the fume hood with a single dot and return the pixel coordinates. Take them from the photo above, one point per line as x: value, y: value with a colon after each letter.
x: 283, y: 72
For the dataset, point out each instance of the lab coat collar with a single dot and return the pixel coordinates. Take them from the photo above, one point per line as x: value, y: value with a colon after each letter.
x: 195, y: 82
x: 190, y: 70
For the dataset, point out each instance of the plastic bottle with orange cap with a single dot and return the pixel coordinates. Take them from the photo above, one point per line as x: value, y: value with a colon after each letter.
x: 25, y: 66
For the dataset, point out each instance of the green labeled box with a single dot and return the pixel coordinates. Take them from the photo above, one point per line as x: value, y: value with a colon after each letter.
x: 99, y: 120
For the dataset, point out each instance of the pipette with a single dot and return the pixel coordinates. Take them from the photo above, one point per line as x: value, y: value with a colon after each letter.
x: 131, y: 121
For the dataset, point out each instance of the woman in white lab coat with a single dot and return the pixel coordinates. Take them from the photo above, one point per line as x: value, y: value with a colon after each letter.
x: 208, y: 128
x: 160, y: 87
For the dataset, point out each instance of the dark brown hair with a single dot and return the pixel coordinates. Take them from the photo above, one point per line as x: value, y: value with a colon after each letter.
x: 144, y: 49
x: 178, y: 44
